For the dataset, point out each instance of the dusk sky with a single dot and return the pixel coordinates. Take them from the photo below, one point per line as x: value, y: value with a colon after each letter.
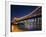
x: 21, y: 10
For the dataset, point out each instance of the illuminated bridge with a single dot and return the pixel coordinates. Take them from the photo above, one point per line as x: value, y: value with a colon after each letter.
x: 36, y: 23
x: 36, y: 12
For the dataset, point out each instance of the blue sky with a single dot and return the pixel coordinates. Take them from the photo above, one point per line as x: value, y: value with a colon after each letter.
x: 21, y: 10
